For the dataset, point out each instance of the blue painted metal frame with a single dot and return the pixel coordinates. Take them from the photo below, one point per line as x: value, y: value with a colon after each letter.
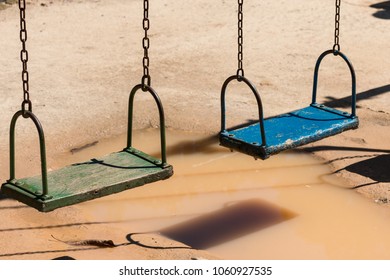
x: 273, y: 135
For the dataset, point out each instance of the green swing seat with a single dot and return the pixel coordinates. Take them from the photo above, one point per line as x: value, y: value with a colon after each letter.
x: 91, y: 179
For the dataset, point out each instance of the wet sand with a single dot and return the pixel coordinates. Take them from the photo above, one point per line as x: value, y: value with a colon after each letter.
x: 85, y: 57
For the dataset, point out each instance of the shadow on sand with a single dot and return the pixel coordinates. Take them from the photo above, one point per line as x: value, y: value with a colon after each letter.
x: 383, y: 10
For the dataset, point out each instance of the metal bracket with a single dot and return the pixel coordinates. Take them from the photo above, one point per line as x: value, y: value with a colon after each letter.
x: 258, y: 99
x: 353, y: 77
x: 29, y: 114
x: 162, y: 118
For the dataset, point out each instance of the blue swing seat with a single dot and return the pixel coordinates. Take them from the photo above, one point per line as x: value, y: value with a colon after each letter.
x: 287, y: 131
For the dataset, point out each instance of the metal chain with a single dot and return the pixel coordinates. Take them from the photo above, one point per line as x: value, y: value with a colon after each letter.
x: 240, y: 55
x: 146, y: 80
x: 336, y: 46
x: 24, y: 57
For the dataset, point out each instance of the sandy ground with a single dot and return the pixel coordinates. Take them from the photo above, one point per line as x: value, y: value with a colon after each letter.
x: 85, y: 56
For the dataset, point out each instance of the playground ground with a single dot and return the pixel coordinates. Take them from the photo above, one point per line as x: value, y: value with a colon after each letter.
x: 85, y: 56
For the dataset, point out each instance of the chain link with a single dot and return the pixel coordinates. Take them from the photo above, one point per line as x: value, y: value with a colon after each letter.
x: 24, y: 57
x: 336, y: 46
x: 240, y: 55
x: 146, y: 80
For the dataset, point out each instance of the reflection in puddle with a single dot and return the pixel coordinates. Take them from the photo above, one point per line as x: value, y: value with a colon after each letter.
x: 286, y: 207
x: 229, y: 223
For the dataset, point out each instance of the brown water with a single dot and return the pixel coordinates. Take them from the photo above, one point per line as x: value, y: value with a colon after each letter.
x: 287, y: 207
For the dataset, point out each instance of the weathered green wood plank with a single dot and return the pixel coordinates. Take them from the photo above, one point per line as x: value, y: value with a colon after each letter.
x: 89, y: 180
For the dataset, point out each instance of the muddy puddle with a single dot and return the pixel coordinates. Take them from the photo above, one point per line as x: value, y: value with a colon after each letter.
x: 235, y: 207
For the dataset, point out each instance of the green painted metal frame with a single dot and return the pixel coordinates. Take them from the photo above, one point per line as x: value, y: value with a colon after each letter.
x: 263, y: 145
x: 87, y: 180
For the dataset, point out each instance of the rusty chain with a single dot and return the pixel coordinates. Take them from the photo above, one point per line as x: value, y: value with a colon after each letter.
x: 336, y: 46
x: 240, y: 55
x: 24, y: 57
x: 146, y: 80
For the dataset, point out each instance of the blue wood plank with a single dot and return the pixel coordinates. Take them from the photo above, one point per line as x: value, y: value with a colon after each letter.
x: 289, y: 130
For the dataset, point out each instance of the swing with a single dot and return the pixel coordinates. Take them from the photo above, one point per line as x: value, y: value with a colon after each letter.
x: 272, y: 135
x: 95, y: 178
